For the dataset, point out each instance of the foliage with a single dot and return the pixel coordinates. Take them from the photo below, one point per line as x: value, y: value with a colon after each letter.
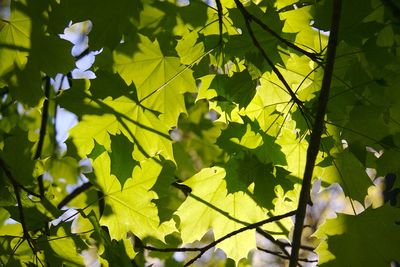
x: 197, y: 123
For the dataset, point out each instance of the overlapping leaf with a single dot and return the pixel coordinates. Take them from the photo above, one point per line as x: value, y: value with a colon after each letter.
x: 14, y: 40
x: 210, y: 206
x: 159, y: 79
x: 124, y: 116
x: 130, y: 209
x: 372, y: 235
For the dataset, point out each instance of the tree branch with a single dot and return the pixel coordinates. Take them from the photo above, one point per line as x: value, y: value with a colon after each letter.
x: 249, y: 17
x: 170, y: 249
x: 42, y: 132
x: 220, y: 22
x: 269, y: 61
x: 316, y: 133
x: 278, y: 254
x: 240, y: 230
x: 22, y: 216
x: 204, y: 249
x: 273, y: 240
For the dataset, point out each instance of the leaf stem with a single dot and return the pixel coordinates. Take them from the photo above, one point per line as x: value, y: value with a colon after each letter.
x: 316, y: 133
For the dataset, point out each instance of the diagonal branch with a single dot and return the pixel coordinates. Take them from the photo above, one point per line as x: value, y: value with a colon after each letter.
x: 316, y: 133
x: 249, y: 17
x: 273, y: 240
x: 240, y: 230
x: 278, y: 254
x: 269, y: 61
x: 204, y: 249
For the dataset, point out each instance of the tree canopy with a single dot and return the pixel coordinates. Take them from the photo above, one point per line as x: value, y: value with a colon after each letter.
x: 200, y: 132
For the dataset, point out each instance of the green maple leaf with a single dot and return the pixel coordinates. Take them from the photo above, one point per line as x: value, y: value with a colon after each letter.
x: 66, y: 168
x: 110, y: 84
x: 14, y: 40
x: 210, y: 206
x: 188, y: 49
x: 295, y: 149
x: 240, y: 88
x: 17, y: 149
x: 122, y: 163
x: 249, y: 137
x: 65, y: 250
x: 348, y: 171
x: 139, y: 125
x: 130, y: 208
x: 298, y: 21
x: 242, y: 44
x: 371, y: 238
x: 54, y: 55
x: 160, y: 80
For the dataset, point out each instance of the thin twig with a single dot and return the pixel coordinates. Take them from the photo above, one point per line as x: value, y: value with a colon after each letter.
x: 282, y: 246
x: 22, y: 217
x: 269, y: 61
x: 204, y: 249
x: 240, y: 230
x: 249, y: 17
x: 278, y: 254
x: 273, y: 240
x: 316, y: 133
x: 170, y: 249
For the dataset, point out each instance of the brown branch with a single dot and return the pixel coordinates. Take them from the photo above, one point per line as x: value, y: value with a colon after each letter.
x: 316, y: 133
x: 240, y: 230
x: 220, y: 22
x: 279, y: 243
x: 22, y: 217
x: 249, y: 17
x: 42, y: 132
x: 273, y: 240
x: 204, y: 249
x: 278, y: 254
